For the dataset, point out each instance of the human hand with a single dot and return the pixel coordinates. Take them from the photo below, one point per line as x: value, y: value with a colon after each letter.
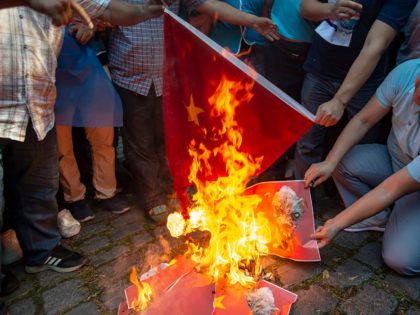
x: 82, y: 33
x: 345, y: 10
x: 326, y: 233
x: 266, y: 28
x: 318, y: 173
x: 329, y: 113
x: 59, y: 10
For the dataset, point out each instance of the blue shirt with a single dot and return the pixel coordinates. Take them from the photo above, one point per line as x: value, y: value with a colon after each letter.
x: 230, y: 36
x: 286, y: 15
x: 397, y: 92
x: 332, y: 61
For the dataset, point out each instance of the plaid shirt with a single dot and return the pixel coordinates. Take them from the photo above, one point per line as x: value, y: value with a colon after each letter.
x: 136, y: 52
x: 29, y: 46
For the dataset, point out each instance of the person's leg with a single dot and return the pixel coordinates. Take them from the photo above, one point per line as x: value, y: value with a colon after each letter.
x: 310, y: 147
x: 363, y: 168
x: 401, y: 251
x: 140, y: 145
x: 103, y: 161
x: 103, y: 164
x: 164, y: 173
x: 73, y: 189
x: 35, y: 167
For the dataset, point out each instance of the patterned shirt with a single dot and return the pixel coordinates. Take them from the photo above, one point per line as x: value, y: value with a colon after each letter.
x: 29, y: 46
x: 136, y: 52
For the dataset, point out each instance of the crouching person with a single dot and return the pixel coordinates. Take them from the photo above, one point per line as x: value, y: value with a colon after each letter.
x: 380, y: 185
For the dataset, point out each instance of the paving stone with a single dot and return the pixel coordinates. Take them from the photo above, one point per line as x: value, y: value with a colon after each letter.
x: 85, y: 308
x: 350, y: 240
x: 102, y: 215
x: 349, y: 274
x: 295, y: 272
x: 66, y: 295
x: 51, y: 278
x: 315, y: 300
x: 133, y: 216
x: 127, y: 231
x: 23, y: 307
x: 331, y: 255
x: 25, y: 287
x: 109, y: 255
x: 117, y: 268
x: 413, y: 311
x: 93, y: 245
x: 371, y: 254
x: 96, y: 229
x: 370, y: 301
x: 411, y: 285
x: 113, y: 294
x: 141, y: 240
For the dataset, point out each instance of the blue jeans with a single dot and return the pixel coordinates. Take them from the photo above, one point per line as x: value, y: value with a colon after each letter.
x: 31, y: 170
x: 313, y: 146
x: 362, y: 169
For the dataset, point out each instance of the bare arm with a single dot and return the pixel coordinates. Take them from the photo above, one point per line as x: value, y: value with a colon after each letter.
x: 125, y: 14
x: 390, y: 190
x: 316, y: 11
x: 351, y: 135
x: 379, y: 38
x: 229, y: 14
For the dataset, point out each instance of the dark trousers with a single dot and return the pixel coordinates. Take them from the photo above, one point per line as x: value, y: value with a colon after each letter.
x: 284, y: 65
x: 314, y: 144
x: 31, y: 171
x: 144, y: 145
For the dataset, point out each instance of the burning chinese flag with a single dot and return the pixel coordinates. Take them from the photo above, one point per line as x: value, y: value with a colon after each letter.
x: 266, y: 120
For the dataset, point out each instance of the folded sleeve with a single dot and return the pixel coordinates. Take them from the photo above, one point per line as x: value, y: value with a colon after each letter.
x: 413, y: 169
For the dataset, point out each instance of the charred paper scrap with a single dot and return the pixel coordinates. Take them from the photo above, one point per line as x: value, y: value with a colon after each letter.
x: 261, y: 301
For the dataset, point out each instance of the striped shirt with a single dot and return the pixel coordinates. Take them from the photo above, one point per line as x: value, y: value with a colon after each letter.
x: 136, y: 52
x: 29, y: 46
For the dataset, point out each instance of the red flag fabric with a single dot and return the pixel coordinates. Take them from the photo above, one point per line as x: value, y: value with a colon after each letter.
x: 194, y: 66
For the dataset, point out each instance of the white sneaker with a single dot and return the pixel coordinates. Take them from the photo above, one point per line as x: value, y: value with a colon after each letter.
x: 67, y: 225
x: 375, y: 223
x: 11, y: 248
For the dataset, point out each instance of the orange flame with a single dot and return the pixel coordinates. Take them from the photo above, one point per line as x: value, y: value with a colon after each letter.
x: 238, y: 235
x: 144, y: 292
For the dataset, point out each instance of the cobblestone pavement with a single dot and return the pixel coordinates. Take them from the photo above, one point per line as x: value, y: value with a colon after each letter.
x: 351, y: 279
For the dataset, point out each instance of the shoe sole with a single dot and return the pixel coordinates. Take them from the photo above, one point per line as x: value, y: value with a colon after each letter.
x: 37, y: 269
x: 87, y: 219
x: 375, y: 229
x: 121, y: 211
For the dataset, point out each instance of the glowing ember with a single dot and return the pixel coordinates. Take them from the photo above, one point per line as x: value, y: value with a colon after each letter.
x: 144, y: 292
x: 238, y: 235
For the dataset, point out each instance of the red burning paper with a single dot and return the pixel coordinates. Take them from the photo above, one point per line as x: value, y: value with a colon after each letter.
x: 290, y: 231
x: 270, y: 121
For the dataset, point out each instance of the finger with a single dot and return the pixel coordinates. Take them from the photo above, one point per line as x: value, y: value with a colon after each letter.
x: 346, y: 10
x: 322, y: 243
x: 80, y: 11
x: 268, y: 36
x: 343, y: 16
x: 353, y: 5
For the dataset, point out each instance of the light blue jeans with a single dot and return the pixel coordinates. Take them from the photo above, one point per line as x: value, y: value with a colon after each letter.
x: 362, y: 169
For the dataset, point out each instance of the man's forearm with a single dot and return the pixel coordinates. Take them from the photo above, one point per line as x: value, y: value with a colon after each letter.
x: 227, y: 13
x: 379, y: 38
x: 316, y: 11
x: 125, y: 14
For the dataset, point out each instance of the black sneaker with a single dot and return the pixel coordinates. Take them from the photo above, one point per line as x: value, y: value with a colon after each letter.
x: 80, y: 210
x: 115, y: 204
x: 9, y: 283
x: 60, y: 259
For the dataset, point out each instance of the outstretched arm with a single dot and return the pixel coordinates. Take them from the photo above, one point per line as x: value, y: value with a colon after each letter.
x: 223, y: 11
x: 379, y: 38
x: 390, y: 190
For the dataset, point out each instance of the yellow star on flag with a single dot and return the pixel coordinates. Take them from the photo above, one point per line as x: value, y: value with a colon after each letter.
x: 217, y: 303
x: 193, y: 112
